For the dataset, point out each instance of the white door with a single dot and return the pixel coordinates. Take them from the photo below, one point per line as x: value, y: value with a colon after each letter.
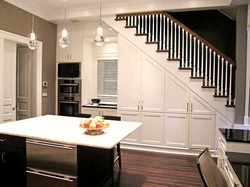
x: 176, y: 96
x: 152, y: 128
x: 128, y: 76
x: 201, y: 131
x: 134, y: 137
x: 176, y: 130
x: 23, y: 94
x: 9, y: 80
x: 152, y: 85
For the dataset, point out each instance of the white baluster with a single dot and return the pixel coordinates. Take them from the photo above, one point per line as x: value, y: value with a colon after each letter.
x: 230, y: 84
x: 226, y: 78
x: 171, y: 40
x: 222, y: 76
x: 198, y: 59
x: 202, y: 60
x: 194, y: 61
x: 138, y: 24
x: 160, y: 32
x: 205, y: 67
x: 182, y: 54
x: 175, y: 40
x: 186, y: 57
x: 146, y: 24
x: 210, y: 68
x: 179, y: 42
x: 163, y: 33
x: 214, y: 69
x: 190, y: 51
x: 156, y: 30
x: 218, y: 77
x: 167, y: 33
x: 153, y: 26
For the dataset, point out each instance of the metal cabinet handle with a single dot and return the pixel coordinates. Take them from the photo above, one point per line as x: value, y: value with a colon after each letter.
x: 49, y: 175
x: 142, y: 105
x: 70, y: 56
x: 2, y: 140
x: 3, y: 157
x: 50, y: 145
x: 138, y: 105
x: 191, y: 107
x: 187, y: 106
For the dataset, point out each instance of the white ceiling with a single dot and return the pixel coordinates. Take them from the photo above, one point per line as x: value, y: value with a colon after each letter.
x: 88, y: 10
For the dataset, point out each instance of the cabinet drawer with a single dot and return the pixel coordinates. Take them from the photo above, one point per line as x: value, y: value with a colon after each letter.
x: 12, y: 141
x: 231, y: 175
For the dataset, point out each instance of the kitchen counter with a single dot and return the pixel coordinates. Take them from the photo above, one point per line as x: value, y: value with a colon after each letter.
x: 100, y: 106
x: 63, y: 129
x: 237, y: 150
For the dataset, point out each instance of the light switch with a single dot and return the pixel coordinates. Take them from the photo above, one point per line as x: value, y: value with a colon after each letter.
x: 45, y: 94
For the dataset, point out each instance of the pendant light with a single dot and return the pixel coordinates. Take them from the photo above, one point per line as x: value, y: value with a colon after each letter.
x: 64, y: 40
x: 32, y: 41
x: 99, y: 39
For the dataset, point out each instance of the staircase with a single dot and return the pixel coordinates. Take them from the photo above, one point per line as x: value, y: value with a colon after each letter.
x: 193, y: 53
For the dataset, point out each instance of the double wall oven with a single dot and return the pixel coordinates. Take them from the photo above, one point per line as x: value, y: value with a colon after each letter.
x: 69, y: 96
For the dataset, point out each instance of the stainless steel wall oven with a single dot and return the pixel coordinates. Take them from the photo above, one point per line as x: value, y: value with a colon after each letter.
x: 69, y: 97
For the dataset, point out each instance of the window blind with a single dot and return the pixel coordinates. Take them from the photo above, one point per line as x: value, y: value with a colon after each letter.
x: 107, y: 80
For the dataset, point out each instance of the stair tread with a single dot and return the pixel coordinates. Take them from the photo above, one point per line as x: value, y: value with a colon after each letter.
x: 197, y: 77
x: 130, y: 26
x: 185, y: 68
x: 174, y: 59
x: 151, y: 42
x: 208, y: 86
x: 140, y: 34
x: 222, y: 96
x: 120, y: 19
x: 165, y: 50
x: 232, y: 106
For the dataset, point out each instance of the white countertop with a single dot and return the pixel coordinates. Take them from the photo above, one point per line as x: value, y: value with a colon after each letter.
x: 66, y: 130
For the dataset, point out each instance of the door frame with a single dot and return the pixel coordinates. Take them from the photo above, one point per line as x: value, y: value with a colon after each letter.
x: 38, y: 61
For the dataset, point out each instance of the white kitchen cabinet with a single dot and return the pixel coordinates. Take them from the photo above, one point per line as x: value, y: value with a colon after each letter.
x: 134, y: 137
x: 151, y: 131
x: 189, y: 120
x: 72, y: 53
x: 140, y: 80
x: 176, y: 130
x: 99, y: 111
x: 152, y: 128
x: 201, y: 131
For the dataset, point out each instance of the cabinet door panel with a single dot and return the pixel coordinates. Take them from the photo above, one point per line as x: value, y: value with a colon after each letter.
x: 176, y: 130
x: 176, y: 96
x: 93, y: 111
x: 134, y: 137
x: 199, y: 106
x: 201, y: 131
x: 152, y: 85
x: 152, y: 128
x: 128, y: 76
x: 109, y: 112
x: 77, y: 42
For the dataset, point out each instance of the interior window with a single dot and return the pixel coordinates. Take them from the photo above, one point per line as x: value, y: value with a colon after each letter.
x: 107, y: 81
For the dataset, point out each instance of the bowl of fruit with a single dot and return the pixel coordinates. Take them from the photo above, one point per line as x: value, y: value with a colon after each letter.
x: 94, y: 126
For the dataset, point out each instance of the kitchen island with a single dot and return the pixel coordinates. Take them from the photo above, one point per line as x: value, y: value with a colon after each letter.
x: 49, y: 144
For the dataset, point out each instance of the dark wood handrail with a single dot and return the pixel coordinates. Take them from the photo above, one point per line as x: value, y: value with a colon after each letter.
x: 185, y: 28
x: 201, y: 39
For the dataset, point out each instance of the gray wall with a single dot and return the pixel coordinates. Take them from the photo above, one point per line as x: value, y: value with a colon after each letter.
x: 18, y: 21
x: 241, y: 58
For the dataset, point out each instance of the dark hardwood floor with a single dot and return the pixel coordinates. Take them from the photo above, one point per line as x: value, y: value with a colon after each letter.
x: 147, y: 169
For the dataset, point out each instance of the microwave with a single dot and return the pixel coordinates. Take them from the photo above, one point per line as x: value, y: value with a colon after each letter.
x: 69, y: 70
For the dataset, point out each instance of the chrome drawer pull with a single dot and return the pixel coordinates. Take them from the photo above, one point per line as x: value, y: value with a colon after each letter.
x: 2, y: 140
x: 49, y: 175
x: 50, y: 145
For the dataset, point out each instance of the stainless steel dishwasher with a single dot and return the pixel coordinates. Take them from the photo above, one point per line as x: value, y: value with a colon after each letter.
x: 51, y: 164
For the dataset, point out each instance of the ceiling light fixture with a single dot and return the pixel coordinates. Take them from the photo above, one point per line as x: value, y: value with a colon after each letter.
x: 99, y: 39
x: 64, y: 40
x: 32, y: 41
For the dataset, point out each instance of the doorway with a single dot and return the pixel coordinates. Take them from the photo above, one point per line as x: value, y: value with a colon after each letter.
x: 35, y: 104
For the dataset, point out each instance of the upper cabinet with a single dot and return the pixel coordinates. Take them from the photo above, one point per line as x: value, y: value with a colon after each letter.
x: 141, y: 80
x: 72, y: 53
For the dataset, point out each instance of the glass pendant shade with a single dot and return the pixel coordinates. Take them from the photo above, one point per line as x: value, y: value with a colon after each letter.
x: 32, y: 41
x: 64, y: 40
x: 99, y: 39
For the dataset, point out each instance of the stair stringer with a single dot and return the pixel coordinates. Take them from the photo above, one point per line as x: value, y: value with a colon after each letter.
x: 171, y: 67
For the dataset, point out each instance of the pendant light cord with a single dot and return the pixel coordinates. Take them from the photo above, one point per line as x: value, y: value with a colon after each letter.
x: 100, y: 12
x: 65, y: 5
x: 33, y: 16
